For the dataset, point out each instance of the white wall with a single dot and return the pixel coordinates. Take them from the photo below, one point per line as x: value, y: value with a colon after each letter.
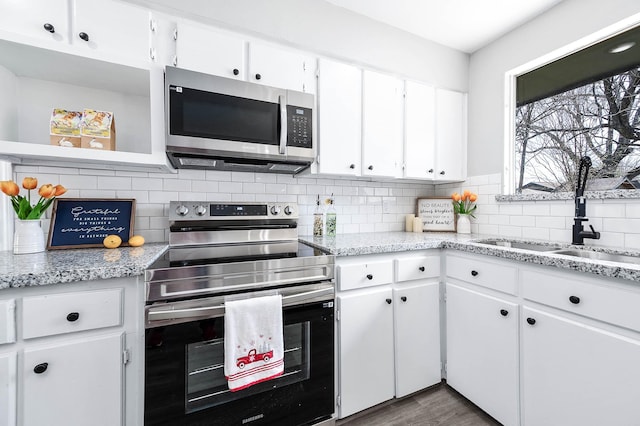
x: 565, y: 23
x: 325, y: 29
x: 361, y: 205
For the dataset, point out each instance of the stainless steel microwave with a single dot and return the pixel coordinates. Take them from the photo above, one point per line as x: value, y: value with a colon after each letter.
x: 225, y: 124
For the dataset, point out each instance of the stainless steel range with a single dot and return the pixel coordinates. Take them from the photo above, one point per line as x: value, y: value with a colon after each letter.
x: 223, y: 251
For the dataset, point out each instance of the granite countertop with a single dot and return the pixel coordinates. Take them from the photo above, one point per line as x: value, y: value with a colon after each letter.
x: 64, y: 266
x: 389, y: 242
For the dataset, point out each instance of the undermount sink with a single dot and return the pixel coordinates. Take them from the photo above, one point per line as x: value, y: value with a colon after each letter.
x: 596, y: 255
x: 521, y: 245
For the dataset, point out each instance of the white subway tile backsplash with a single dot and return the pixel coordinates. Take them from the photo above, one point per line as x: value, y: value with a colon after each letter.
x: 362, y: 205
x: 176, y: 185
x: 108, y: 182
x: 253, y: 188
x: 554, y: 222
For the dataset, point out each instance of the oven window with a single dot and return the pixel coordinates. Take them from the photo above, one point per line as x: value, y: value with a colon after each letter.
x: 206, y: 385
x: 216, y: 116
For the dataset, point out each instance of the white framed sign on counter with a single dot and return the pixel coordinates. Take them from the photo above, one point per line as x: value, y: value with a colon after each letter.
x: 437, y: 214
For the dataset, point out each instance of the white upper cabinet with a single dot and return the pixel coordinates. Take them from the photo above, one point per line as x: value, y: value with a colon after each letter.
x: 382, y: 124
x: 108, y: 30
x: 201, y: 48
x: 111, y: 27
x: 46, y: 20
x: 339, y: 118
x: 274, y: 66
x: 451, y: 135
x: 420, y: 135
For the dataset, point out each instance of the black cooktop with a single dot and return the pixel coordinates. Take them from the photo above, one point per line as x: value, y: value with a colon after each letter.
x: 177, y: 257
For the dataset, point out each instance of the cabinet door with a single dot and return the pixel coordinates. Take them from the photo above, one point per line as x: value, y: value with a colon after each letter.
x: 277, y: 67
x: 365, y: 344
x: 74, y: 384
x: 382, y: 123
x: 482, y: 351
x: 29, y: 18
x: 7, y: 321
x: 199, y: 48
x: 420, y: 132
x: 575, y: 374
x: 112, y: 27
x: 8, y: 389
x: 339, y: 118
x: 451, y: 135
x: 416, y: 313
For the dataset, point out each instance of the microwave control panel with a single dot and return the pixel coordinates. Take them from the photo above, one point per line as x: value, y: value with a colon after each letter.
x: 299, y: 127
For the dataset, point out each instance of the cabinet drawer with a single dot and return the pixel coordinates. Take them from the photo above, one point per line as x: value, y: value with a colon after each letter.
x: 418, y: 267
x: 7, y: 321
x: 488, y: 274
x: 69, y: 312
x: 366, y: 274
x: 592, y: 298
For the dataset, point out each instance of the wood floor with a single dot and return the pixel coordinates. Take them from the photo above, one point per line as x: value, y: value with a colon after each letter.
x: 437, y: 406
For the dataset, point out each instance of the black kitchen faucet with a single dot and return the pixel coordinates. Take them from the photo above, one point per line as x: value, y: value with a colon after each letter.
x: 579, y: 234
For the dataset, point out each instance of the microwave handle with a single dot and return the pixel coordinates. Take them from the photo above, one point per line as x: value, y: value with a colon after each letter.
x: 283, y: 124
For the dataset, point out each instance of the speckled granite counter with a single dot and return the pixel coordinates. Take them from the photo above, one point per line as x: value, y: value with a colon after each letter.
x: 64, y: 266
x: 389, y: 242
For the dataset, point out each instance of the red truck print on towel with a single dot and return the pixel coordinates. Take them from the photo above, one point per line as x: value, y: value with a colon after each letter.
x: 254, y: 356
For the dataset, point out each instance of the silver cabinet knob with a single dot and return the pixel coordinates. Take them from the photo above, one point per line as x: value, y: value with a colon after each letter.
x: 201, y: 210
x: 275, y: 210
x: 288, y: 210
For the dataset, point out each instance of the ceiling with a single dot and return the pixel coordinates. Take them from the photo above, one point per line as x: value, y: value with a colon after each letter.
x: 465, y: 25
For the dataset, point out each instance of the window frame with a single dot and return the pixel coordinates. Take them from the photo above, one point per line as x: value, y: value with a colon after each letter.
x: 508, y: 173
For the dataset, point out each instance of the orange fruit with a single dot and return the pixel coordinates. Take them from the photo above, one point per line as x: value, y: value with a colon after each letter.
x: 112, y: 241
x: 136, y: 241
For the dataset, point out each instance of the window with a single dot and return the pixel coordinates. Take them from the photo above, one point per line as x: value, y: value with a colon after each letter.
x: 583, y: 104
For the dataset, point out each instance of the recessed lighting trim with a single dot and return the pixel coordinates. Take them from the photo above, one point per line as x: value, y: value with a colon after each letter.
x: 622, y: 47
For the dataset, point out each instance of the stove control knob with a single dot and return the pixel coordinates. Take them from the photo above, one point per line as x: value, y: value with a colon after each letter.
x: 288, y: 210
x: 201, y: 210
x: 182, y: 210
x: 275, y: 210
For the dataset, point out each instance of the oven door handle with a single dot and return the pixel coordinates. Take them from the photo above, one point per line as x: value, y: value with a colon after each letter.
x: 201, y: 309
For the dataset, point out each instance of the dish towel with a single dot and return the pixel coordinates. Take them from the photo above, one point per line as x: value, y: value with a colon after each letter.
x: 253, y: 341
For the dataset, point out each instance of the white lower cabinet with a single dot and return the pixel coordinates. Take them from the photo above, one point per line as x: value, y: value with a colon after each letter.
x: 388, y: 328
x: 482, y: 351
x: 365, y: 344
x: 74, y: 384
x: 576, y: 374
x: 8, y: 389
x: 416, y: 314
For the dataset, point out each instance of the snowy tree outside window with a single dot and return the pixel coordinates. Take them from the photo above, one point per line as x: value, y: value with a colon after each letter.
x: 592, y: 115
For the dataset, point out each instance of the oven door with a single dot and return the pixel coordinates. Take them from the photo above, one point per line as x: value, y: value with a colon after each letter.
x: 184, y: 370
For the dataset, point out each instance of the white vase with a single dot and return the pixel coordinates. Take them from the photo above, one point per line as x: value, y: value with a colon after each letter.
x: 28, y: 237
x: 464, y: 224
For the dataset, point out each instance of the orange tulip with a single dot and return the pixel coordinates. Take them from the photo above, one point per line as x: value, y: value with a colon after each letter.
x: 466, y: 193
x: 29, y: 183
x: 457, y: 197
x: 473, y: 197
x: 59, y: 190
x: 453, y: 196
x: 10, y: 188
x: 47, y: 191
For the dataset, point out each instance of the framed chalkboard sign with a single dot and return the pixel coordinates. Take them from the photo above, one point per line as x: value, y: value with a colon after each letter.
x: 437, y: 214
x: 85, y: 222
